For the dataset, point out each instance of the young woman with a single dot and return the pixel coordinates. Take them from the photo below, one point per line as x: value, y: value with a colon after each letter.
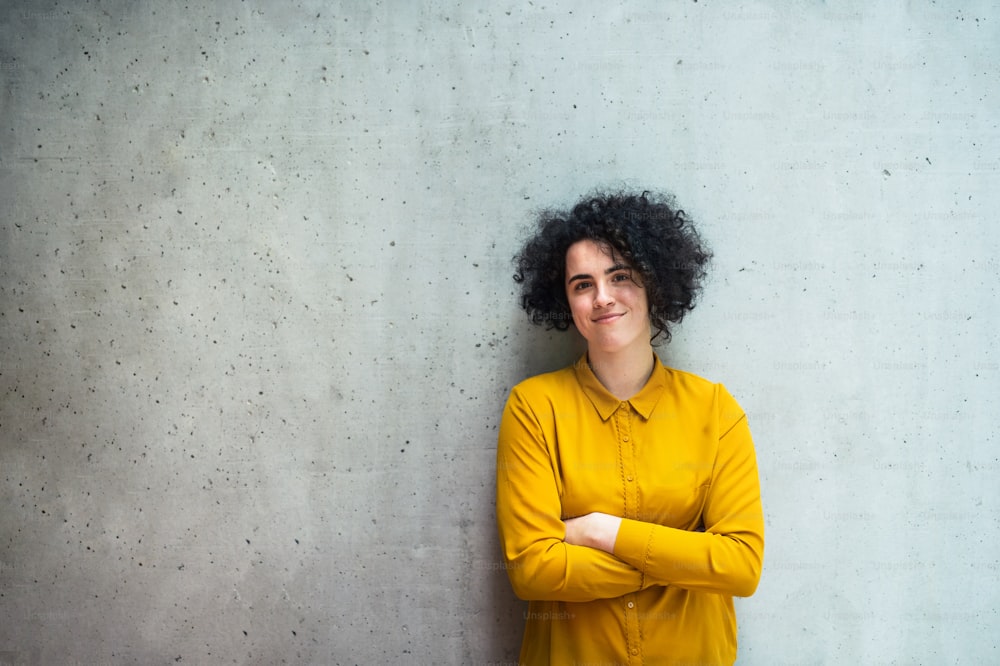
x: 628, y: 501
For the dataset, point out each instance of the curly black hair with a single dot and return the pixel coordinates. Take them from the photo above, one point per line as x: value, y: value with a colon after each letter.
x: 647, y: 230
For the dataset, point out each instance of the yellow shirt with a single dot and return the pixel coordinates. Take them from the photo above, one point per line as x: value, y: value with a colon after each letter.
x: 677, y: 463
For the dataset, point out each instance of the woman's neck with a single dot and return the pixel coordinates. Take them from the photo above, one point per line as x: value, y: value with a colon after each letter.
x: 624, y: 372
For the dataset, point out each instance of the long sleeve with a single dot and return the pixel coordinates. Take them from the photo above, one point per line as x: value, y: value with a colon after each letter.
x: 676, y: 462
x: 529, y: 516
x: 727, y: 557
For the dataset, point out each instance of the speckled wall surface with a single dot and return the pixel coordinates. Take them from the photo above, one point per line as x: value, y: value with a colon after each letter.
x: 258, y: 323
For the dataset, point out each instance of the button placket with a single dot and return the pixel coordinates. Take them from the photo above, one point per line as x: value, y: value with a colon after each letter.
x: 626, y: 446
x: 623, y: 418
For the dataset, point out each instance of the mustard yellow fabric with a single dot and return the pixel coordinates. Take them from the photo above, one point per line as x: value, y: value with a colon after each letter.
x: 677, y: 463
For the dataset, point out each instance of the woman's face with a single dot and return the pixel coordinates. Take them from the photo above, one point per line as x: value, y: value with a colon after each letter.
x: 609, y: 309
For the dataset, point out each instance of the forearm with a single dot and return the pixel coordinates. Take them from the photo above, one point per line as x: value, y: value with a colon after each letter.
x: 727, y: 563
x: 558, y: 571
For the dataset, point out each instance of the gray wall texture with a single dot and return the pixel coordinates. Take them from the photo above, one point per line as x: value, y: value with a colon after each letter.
x: 258, y: 323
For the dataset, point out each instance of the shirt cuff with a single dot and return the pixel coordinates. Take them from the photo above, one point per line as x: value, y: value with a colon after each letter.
x: 633, y: 541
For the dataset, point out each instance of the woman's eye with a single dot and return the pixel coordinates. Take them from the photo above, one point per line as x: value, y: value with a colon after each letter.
x: 620, y: 277
x: 581, y: 286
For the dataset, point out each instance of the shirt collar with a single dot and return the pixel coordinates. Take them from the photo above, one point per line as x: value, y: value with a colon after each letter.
x: 643, y: 402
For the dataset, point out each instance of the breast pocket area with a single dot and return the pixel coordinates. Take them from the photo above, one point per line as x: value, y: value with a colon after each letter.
x: 593, y: 484
x: 674, y: 504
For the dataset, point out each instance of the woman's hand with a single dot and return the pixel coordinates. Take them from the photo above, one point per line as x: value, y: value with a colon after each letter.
x: 594, y: 530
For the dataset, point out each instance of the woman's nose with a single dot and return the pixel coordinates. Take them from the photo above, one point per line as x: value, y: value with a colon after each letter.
x: 602, y: 296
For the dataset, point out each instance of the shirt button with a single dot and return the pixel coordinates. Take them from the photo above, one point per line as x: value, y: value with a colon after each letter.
x: 628, y: 478
x: 635, y: 651
x: 631, y: 605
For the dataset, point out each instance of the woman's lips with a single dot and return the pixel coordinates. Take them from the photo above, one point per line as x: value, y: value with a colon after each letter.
x: 608, y: 318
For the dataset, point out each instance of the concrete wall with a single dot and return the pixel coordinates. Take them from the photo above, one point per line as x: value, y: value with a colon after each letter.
x: 258, y: 323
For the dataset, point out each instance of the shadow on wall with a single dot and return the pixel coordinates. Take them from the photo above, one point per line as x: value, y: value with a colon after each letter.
x: 544, y: 351
x: 538, y: 351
